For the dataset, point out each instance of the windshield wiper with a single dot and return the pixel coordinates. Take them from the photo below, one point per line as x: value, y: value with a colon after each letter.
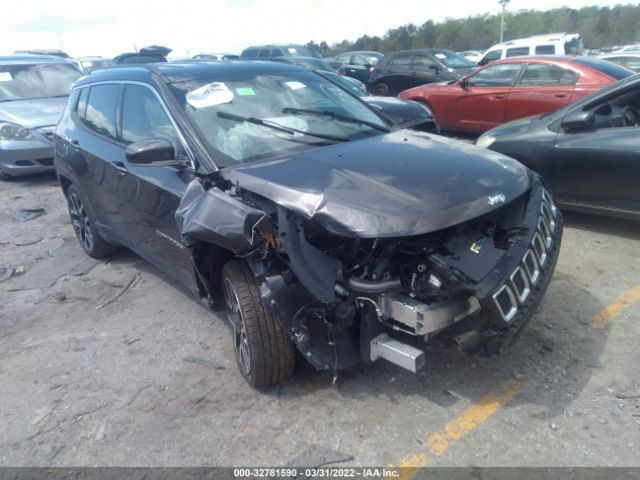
x: 277, y: 126
x: 337, y: 116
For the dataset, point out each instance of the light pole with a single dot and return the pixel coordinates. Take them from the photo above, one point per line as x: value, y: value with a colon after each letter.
x: 503, y: 4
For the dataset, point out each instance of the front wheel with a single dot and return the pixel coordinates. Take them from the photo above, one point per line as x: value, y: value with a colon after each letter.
x: 381, y: 89
x: 264, y: 354
x: 5, y: 177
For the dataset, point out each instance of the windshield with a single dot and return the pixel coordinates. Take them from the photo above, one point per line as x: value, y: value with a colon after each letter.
x: 246, y: 117
x: 453, y: 60
x: 29, y: 82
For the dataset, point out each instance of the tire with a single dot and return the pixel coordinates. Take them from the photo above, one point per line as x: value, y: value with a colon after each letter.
x: 264, y: 354
x: 84, y: 226
x: 381, y: 89
x: 5, y: 177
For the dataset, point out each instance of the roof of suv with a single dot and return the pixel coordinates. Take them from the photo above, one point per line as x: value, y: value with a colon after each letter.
x: 29, y: 59
x: 175, y: 72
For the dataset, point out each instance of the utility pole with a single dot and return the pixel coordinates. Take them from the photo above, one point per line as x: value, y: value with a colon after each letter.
x: 503, y: 4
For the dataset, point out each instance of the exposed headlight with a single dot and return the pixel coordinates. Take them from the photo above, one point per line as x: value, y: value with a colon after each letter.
x: 485, y: 141
x: 11, y: 131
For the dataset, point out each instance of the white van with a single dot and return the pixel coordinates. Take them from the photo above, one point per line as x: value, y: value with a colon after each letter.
x: 550, y: 44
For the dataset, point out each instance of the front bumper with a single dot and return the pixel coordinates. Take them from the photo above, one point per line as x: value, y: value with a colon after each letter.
x: 497, y: 308
x: 25, y: 157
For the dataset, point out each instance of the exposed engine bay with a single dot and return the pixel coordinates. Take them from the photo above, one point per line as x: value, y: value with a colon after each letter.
x: 343, y: 299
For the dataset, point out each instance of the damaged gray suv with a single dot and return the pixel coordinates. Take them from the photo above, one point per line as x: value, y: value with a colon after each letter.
x: 275, y: 194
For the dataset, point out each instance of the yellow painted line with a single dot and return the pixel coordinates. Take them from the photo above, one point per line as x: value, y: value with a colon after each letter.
x: 610, y: 312
x: 466, y: 422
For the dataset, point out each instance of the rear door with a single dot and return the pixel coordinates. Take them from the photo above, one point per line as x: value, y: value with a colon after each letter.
x: 481, y: 104
x: 542, y: 88
x: 153, y: 193
x: 101, y: 170
x: 399, y: 73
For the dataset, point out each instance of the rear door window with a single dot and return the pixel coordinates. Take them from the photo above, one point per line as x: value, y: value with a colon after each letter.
x: 264, y: 53
x: 402, y: 61
x: 545, y: 50
x: 500, y: 75
x: 517, y: 51
x: 102, y: 107
x: 540, y: 74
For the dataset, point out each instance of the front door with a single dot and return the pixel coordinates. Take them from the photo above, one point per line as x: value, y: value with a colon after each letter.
x: 153, y: 193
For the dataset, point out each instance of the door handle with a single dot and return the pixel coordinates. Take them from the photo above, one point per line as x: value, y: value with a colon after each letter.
x: 120, y: 167
x: 499, y: 97
x: 561, y: 95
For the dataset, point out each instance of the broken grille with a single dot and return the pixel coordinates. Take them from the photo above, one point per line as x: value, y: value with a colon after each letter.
x: 512, y: 295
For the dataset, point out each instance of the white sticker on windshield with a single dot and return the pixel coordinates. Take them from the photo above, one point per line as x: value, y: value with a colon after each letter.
x: 292, y: 51
x: 441, y: 56
x: 210, y: 95
x: 295, y: 85
x: 5, y: 77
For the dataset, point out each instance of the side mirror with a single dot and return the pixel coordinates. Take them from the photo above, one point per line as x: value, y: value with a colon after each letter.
x: 435, y: 68
x: 463, y: 82
x: 577, y: 120
x: 151, y: 152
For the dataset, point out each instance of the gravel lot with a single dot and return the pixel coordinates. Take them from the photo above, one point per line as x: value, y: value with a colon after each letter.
x: 110, y: 363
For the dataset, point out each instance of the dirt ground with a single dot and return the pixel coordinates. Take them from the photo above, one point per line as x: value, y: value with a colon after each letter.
x: 110, y: 363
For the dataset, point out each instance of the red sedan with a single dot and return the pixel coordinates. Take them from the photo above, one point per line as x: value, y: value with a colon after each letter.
x: 514, y: 88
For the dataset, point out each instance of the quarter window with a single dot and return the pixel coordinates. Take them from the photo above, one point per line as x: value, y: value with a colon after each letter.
x: 144, y: 117
x: 102, y: 106
x: 82, y: 102
x: 502, y: 74
x: 538, y: 74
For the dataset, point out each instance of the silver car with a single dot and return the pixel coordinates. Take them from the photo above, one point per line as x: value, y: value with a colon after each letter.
x: 33, y: 94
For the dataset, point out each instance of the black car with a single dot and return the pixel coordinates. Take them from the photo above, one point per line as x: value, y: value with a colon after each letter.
x: 151, y: 54
x: 399, y: 71
x: 358, y: 64
x: 400, y: 113
x: 265, y: 52
x: 269, y: 190
x: 312, y: 63
x: 587, y: 152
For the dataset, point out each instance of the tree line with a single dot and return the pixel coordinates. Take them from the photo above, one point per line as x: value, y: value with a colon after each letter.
x: 598, y: 26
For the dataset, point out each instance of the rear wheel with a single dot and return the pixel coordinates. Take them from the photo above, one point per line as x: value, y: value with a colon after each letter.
x: 264, y: 354
x: 381, y: 89
x: 85, y: 227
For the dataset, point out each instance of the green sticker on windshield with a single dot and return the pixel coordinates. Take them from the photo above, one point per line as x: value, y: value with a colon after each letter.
x: 245, y: 91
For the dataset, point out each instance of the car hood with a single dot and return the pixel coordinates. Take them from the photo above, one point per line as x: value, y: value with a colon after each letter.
x: 401, y: 112
x: 41, y: 112
x: 392, y: 185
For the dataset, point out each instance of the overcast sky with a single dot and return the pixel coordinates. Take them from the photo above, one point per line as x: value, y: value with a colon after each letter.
x: 88, y: 27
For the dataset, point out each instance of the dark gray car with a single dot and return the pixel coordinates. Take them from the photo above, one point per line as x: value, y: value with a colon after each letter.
x: 33, y: 94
